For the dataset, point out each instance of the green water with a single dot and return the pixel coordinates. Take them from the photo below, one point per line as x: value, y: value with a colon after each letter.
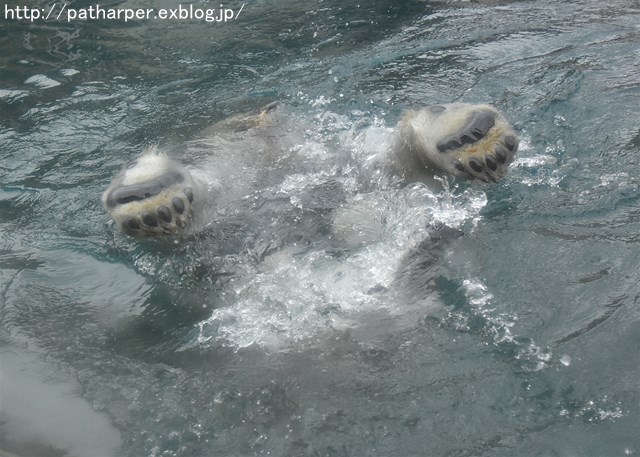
x: 266, y: 337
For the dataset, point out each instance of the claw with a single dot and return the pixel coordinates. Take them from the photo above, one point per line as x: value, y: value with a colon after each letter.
x: 485, y: 169
x: 189, y: 193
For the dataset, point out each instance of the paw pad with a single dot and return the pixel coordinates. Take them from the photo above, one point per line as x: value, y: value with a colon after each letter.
x: 470, y: 141
x: 487, y: 164
x: 152, y: 197
x: 178, y: 205
x: 483, y: 148
x: 479, y: 125
x: 150, y: 217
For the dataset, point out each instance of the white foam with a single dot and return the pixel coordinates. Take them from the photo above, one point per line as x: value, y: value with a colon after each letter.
x: 500, y: 326
x: 13, y: 94
x: 42, y: 81
x: 69, y: 72
x: 298, y: 295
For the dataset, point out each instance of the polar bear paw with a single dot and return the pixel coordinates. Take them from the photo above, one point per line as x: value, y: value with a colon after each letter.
x: 471, y: 141
x: 153, y: 196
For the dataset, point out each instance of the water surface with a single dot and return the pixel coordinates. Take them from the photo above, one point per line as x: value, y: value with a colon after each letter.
x: 270, y: 336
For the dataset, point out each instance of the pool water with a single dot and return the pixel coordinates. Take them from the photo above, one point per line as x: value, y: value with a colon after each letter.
x: 321, y: 312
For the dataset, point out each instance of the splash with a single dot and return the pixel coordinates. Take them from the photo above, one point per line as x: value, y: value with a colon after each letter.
x: 299, y: 293
x: 482, y: 314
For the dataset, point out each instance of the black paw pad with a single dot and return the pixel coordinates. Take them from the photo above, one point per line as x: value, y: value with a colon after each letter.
x: 131, y: 223
x: 137, y: 192
x: 475, y: 165
x: 458, y: 165
x: 477, y: 128
x: 501, y: 154
x: 149, y: 220
x: 177, y: 204
x: 165, y: 213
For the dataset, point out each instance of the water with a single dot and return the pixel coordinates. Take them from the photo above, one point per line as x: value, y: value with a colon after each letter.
x: 272, y: 335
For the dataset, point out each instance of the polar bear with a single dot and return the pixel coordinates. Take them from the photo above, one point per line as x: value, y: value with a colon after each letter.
x: 155, y: 196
